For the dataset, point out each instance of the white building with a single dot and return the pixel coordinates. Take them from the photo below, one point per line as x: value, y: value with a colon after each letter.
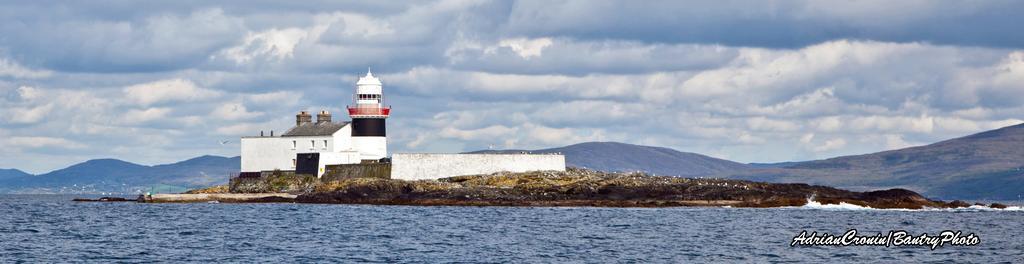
x: 364, y: 138
x: 309, y: 146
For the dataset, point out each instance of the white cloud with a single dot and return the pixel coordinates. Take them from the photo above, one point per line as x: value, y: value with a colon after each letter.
x: 896, y: 142
x: 765, y: 124
x: 45, y: 121
x: 1003, y: 123
x: 588, y: 112
x: 39, y: 142
x: 830, y: 145
x: 806, y: 138
x: 437, y: 81
x: 287, y: 98
x: 29, y: 115
x: 13, y: 69
x: 818, y: 105
x: 464, y: 75
x: 29, y: 93
x: 486, y: 133
x: 828, y: 124
x: 238, y: 129
x: 747, y: 138
x: 168, y: 91
x: 526, y: 48
x: 272, y: 44
x: 541, y: 136
x: 764, y: 71
x: 974, y: 113
x: 234, y: 111
x: 415, y: 143
x: 146, y: 115
x: 899, y: 124
x: 552, y: 56
x: 358, y: 25
x: 329, y: 34
x: 818, y: 102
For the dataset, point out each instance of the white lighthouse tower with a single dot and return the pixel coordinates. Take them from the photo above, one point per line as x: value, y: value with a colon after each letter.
x: 369, y: 134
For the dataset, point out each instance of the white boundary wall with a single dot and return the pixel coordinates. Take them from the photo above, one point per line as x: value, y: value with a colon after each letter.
x: 335, y: 158
x: 266, y: 153
x: 407, y: 166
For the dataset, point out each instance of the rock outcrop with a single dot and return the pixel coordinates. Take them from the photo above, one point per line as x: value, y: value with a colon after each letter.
x: 274, y: 182
x: 579, y: 187
x: 104, y: 199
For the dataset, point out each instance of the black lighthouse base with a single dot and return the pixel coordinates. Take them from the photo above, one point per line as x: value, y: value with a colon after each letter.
x: 368, y: 127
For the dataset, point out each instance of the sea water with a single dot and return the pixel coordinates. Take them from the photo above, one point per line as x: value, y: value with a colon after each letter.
x: 41, y: 228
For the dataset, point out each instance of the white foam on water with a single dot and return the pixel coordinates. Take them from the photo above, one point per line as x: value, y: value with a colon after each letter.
x: 986, y: 208
x: 812, y: 204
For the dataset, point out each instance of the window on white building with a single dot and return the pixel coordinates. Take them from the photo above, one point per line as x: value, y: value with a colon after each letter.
x: 312, y: 144
x: 294, y: 144
x: 325, y: 144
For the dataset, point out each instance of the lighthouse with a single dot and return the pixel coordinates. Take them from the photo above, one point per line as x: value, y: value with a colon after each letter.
x: 368, y: 112
x: 332, y: 149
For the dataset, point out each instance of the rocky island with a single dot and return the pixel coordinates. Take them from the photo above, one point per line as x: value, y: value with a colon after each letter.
x: 573, y: 187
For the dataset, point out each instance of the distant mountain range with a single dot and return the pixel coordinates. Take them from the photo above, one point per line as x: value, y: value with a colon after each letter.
x: 12, y: 173
x: 112, y: 175
x: 987, y: 165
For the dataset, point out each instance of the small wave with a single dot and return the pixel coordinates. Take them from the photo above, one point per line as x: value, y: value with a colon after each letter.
x: 986, y: 208
x: 975, y: 208
x: 812, y: 204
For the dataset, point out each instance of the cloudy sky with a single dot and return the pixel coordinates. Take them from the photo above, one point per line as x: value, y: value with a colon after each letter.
x: 751, y: 81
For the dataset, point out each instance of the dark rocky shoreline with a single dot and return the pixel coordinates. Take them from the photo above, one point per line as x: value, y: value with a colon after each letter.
x: 580, y: 187
x: 105, y: 199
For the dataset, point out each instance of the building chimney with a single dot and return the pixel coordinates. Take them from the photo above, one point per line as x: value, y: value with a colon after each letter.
x: 323, y: 117
x: 303, y: 118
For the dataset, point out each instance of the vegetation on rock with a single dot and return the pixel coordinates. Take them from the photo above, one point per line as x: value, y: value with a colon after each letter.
x: 275, y: 182
x: 208, y: 190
